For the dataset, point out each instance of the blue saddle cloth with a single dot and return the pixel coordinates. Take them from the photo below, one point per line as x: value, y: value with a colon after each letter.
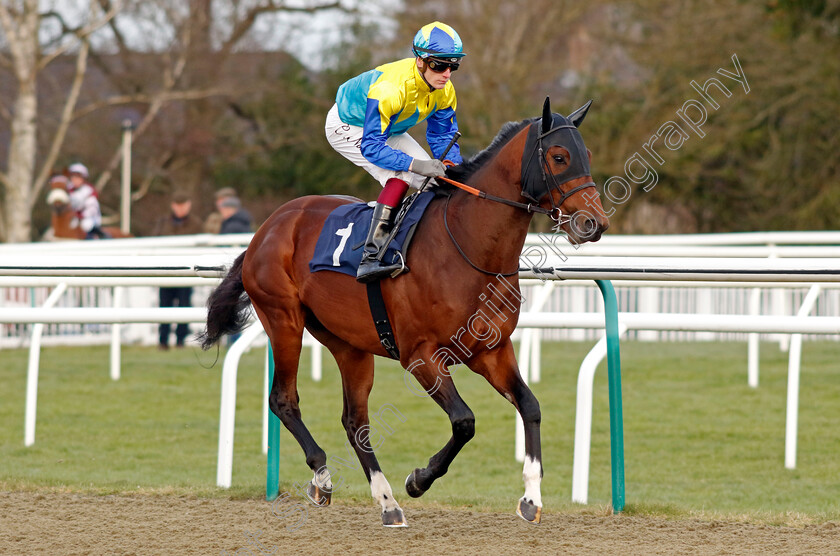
x: 341, y: 243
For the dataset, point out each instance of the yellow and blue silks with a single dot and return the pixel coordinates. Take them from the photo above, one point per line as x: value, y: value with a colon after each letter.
x: 392, y: 98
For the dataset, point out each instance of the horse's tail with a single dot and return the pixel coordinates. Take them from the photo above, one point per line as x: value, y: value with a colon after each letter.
x: 226, y: 307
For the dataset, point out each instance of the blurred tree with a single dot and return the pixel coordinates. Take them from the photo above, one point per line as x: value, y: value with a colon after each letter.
x: 769, y: 159
x: 214, y: 107
x: 218, y: 51
x: 149, y: 55
x: 518, y: 51
x: 272, y: 144
x: 24, y: 56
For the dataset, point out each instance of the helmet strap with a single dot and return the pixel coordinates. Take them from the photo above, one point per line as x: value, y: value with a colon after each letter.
x: 423, y: 73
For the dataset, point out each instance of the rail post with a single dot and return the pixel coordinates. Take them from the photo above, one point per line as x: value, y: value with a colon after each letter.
x: 614, y: 373
x: 272, y: 474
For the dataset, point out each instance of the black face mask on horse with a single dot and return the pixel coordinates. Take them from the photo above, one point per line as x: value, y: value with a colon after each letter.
x: 561, y: 131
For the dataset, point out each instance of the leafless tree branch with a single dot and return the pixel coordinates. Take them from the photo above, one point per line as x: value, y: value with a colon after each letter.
x: 116, y: 100
x: 143, y: 98
x: 64, y: 122
x: 150, y: 115
x: 65, y: 29
x: 82, y: 34
x: 152, y: 174
x: 5, y: 113
x: 156, y: 103
x: 241, y: 27
x: 8, y: 23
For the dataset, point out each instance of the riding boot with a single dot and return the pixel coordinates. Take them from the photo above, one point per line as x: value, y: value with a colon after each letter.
x: 370, y: 268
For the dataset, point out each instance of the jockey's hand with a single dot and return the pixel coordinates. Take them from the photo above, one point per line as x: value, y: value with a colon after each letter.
x: 428, y: 168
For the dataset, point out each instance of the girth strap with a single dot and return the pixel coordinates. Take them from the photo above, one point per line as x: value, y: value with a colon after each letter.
x: 380, y: 319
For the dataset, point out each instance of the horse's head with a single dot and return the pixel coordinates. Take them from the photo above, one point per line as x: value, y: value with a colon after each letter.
x: 556, y: 174
x: 58, y: 198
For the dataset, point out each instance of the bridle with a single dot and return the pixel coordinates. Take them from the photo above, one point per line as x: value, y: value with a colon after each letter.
x: 539, y: 151
x: 555, y: 212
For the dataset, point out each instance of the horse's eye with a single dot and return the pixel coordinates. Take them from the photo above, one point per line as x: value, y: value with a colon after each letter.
x: 559, y: 159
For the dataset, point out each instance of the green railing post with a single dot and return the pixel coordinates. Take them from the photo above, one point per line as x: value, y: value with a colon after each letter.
x: 272, y: 472
x: 614, y: 372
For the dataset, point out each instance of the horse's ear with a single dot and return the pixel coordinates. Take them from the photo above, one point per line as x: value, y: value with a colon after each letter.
x: 547, y: 119
x: 578, y: 115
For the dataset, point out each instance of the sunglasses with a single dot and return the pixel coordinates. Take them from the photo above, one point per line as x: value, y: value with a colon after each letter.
x: 439, y: 66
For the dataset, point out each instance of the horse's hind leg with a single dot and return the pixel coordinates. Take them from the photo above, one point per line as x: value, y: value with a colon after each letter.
x: 356, y: 368
x: 286, y: 334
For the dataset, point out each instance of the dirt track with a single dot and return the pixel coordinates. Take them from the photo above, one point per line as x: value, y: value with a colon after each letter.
x: 40, y: 523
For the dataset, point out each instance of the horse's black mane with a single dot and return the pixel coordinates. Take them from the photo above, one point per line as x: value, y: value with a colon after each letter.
x: 462, y: 172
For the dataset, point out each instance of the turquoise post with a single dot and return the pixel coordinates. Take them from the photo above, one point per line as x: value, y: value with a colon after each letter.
x: 614, y: 373
x: 272, y: 473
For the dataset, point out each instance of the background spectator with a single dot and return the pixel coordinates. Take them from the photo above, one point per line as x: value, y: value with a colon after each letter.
x: 235, y: 219
x: 213, y: 224
x: 179, y: 222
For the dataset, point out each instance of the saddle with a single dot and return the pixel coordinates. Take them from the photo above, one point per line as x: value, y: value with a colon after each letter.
x: 339, y: 245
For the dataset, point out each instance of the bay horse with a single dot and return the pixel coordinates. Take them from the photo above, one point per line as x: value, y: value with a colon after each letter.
x: 63, y: 219
x: 448, y: 309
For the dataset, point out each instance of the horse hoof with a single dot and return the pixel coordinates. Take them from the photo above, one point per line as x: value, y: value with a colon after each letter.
x: 317, y: 495
x: 394, y: 518
x: 528, y: 511
x: 412, y: 487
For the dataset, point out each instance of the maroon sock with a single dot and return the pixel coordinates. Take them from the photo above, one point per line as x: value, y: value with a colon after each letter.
x: 393, y: 192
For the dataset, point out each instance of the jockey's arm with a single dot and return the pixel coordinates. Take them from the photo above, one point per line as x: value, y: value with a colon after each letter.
x: 381, y: 111
x: 90, y: 213
x: 440, y: 128
x: 86, y: 224
x: 79, y: 196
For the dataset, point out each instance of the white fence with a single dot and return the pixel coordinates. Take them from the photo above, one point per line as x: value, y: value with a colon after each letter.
x: 89, y: 291
x: 573, y: 296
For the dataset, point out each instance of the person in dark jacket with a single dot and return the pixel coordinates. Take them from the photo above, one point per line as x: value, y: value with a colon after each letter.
x: 214, y: 221
x: 180, y: 221
x: 235, y: 219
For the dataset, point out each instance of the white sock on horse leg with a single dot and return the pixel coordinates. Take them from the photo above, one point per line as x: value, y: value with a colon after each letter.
x: 381, y: 491
x: 532, y: 478
x: 323, y: 480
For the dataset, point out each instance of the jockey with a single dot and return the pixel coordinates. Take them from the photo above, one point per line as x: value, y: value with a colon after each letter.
x: 372, y: 113
x: 84, y: 200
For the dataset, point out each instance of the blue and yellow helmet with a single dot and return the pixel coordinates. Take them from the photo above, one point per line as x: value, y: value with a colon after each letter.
x: 438, y: 40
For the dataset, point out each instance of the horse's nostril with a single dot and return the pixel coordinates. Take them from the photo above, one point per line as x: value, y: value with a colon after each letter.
x: 586, y: 229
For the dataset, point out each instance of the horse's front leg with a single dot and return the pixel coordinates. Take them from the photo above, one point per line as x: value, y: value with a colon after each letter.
x: 499, y: 367
x: 438, y: 384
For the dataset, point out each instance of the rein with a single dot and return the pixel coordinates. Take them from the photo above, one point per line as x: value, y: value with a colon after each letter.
x: 461, y: 251
x: 555, y: 213
x: 530, y: 207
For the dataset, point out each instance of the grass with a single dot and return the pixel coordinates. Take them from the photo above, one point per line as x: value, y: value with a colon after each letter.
x: 698, y: 440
